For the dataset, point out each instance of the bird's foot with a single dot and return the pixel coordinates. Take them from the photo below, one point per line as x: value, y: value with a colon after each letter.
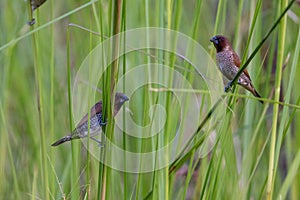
x: 32, y: 22
x: 100, y: 144
x: 227, y: 88
x: 103, y: 123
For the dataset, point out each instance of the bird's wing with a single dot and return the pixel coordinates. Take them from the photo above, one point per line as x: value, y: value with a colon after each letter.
x: 237, y: 62
x: 97, y: 108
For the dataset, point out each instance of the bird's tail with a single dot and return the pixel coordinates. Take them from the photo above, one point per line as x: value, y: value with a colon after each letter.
x: 255, y: 93
x: 62, y: 140
x: 250, y: 88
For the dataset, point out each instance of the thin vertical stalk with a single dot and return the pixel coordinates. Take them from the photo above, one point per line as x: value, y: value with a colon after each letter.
x: 75, y: 161
x: 142, y: 119
x: 52, y: 80
x: 40, y: 107
x: 88, y: 157
x: 102, y: 151
x: 281, y: 43
x: 124, y: 125
x: 159, y: 182
x: 238, y: 24
x: 110, y: 90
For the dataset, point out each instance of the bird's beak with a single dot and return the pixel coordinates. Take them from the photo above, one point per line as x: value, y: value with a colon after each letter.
x: 213, y: 40
x: 125, y: 98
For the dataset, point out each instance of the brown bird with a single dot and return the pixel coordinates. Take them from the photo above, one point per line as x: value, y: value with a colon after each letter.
x: 96, y: 121
x: 229, y: 64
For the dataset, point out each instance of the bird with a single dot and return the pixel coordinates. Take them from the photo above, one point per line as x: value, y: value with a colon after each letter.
x: 36, y: 3
x: 96, y: 121
x: 229, y: 64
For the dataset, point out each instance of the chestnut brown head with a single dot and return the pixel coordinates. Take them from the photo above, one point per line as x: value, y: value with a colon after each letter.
x: 220, y: 42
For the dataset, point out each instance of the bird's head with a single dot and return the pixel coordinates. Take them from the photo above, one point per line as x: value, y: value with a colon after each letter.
x: 220, y: 42
x: 120, y: 99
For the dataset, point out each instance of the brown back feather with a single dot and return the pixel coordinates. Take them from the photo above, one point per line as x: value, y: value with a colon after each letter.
x: 237, y: 62
x: 97, y: 108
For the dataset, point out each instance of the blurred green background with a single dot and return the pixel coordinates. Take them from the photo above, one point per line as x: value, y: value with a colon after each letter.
x: 250, y: 137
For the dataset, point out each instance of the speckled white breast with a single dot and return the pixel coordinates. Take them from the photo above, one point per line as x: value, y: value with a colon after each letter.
x: 226, y: 64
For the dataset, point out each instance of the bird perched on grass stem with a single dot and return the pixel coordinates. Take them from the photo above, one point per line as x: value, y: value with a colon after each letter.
x: 229, y: 64
x: 96, y: 121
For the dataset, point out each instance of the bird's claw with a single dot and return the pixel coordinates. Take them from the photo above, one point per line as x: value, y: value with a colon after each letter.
x: 31, y: 22
x: 227, y: 88
x: 103, y: 123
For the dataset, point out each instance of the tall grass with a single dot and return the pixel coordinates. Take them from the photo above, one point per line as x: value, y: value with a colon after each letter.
x: 254, y: 153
